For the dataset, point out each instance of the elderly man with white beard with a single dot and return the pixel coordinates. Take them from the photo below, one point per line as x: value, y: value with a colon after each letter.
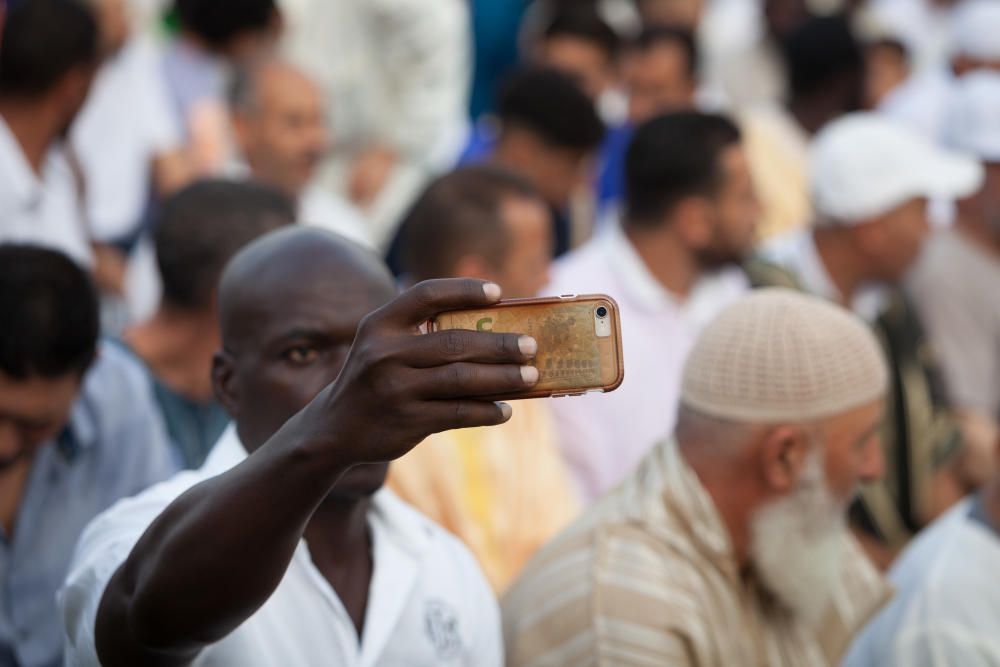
x: 729, y: 546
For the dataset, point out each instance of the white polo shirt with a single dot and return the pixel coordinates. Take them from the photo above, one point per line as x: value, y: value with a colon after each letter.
x: 44, y: 211
x: 604, y: 436
x: 126, y: 123
x: 428, y: 604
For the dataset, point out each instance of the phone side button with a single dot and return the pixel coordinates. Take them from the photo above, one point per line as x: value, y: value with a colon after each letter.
x: 567, y: 296
x: 566, y: 395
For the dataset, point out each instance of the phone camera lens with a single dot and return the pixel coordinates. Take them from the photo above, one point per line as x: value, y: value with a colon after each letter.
x: 602, y: 312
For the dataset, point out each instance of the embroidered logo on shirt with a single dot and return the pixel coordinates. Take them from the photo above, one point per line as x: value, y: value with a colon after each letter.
x: 441, y: 625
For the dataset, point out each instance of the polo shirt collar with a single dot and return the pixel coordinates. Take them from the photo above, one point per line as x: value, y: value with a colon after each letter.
x: 20, y: 181
x: 639, y: 282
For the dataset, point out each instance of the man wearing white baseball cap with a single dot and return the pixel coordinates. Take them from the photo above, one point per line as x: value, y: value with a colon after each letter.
x: 955, y: 284
x: 948, y: 41
x: 871, y: 179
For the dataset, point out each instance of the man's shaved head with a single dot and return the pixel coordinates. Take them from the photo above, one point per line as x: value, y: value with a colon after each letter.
x: 290, y: 305
x: 285, y: 265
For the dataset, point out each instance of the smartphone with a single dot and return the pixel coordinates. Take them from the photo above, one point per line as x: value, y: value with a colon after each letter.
x: 579, y: 340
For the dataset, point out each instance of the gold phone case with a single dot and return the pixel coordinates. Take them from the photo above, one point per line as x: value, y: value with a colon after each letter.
x: 578, y: 351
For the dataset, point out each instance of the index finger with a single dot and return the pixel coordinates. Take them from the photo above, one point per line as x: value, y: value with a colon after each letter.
x: 433, y: 297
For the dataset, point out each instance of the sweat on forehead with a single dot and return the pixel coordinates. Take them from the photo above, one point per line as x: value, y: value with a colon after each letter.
x: 296, y: 259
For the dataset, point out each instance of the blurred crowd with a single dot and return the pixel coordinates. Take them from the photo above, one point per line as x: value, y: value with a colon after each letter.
x: 223, y: 221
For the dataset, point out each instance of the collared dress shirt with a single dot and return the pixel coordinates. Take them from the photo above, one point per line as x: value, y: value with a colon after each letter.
x: 649, y: 577
x: 604, y: 436
x: 41, y: 209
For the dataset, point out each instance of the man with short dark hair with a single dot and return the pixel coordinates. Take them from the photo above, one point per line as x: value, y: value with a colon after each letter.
x: 549, y: 132
x: 659, y: 72
x: 78, y: 431
x: 48, y: 59
x: 484, y: 222
x: 659, y: 75
x: 282, y: 549
x: 689, y: 218
x: 579, y: 42
x: 196, y: 233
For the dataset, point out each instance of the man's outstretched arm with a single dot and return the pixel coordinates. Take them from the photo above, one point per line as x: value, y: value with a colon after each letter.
x: 218, y: 552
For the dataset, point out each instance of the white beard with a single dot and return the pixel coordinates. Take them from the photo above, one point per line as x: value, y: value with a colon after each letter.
x: 797, y: 543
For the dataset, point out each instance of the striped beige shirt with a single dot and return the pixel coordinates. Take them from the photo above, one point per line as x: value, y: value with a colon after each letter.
x: 648, y: 578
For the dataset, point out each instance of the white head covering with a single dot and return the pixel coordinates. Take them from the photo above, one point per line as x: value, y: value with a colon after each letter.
x: 779, y: 356
x: 972, y: 123
x: 865, y: 164
x: 975, y: 29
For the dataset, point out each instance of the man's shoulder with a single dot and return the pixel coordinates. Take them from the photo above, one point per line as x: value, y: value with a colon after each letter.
x: 600, y: 587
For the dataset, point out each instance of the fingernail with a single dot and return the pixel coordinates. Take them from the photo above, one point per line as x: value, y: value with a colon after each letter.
x: 492, y: 291
x: 505, y: 410
x: 529, y: 374
x: 527, y: 345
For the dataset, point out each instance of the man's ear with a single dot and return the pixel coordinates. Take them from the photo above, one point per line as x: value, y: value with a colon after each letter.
x: 783, y: 454
x: 692, y: 220
x: 223, y: 372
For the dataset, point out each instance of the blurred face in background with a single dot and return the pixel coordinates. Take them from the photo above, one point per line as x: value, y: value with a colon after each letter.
x: 590, y: 65
x: 32, y: 411
x: 686, y: 13
x: 734, y: 213
x: 282, y: 133
x: 524, y: 270
x: 983, y: 208
x: 113, y: 19
x: 558, y: 172
x: 657, y: 80
x: 892, y: 243
x: 886, y: 68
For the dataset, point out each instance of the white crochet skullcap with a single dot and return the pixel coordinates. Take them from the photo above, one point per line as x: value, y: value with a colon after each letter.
x: 779, y: 356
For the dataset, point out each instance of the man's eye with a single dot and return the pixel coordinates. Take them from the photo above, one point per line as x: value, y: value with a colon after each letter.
x: 302, y: 354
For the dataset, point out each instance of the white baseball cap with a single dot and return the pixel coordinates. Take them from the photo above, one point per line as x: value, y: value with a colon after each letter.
x: 975, y: 27
x: 972, y: 123
x: 865, y: 164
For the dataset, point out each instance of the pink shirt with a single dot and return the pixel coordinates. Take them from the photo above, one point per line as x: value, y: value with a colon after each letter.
x: 604, y: 436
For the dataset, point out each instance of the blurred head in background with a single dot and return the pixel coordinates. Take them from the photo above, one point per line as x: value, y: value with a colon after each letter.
x: 781, y: 410
x: 279, y: 124
x: 549, y: 132
x: 201, y: 227
x: 49, y: 55
x: 687, y: 181
x: 685, y: 13
x: 480, y: 222
x: 975, y: 26
x: 659, y: 72
x: 871, y: 181
x: 973, y: 126
x: 48, y: 340
x: 237, y: 30
x: 825, y: 65
x: 887, y: 66
x: 114, y: 22
x: 580, y: 43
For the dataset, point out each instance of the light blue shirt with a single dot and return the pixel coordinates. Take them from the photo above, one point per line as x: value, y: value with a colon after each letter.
x: 114, y: 446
